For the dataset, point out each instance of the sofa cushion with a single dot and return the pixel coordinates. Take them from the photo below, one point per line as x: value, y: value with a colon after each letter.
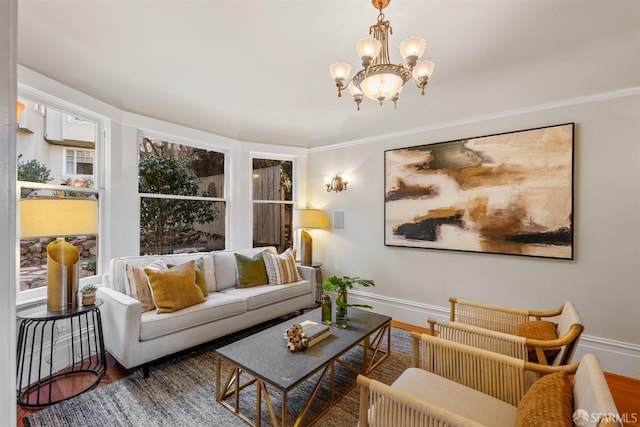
x: 217, y: 306
x: 281, y: 268
x: 251, y: 270
x: 260, y: 296
x: 176, y: 288
x: 548, y: 402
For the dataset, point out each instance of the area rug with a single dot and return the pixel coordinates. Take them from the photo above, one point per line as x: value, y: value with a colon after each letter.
x: 181, y: 393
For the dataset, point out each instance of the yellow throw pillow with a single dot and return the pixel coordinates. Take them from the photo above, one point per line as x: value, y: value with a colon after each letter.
x: 201, y: 277
x: 548, y: 402
x: 176, y: 288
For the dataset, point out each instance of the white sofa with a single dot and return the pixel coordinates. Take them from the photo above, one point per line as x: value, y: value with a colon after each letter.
x: 135, y: 338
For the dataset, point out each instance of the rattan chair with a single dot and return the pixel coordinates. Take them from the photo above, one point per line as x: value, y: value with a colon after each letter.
x: 556, y: 351
x: 454, y: 384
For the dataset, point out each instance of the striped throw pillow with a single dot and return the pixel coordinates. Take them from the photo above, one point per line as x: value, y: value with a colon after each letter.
x: 137, y: 283
x: 281, y: 268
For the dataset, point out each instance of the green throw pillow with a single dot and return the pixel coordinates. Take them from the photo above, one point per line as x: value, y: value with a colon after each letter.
x: 251, y: 271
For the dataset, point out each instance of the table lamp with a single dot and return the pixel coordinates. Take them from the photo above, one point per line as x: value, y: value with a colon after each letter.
x: 55, y: 217
x: 307, y: 218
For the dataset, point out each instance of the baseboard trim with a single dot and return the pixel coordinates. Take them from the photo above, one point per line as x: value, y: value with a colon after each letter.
x: 618, y: 357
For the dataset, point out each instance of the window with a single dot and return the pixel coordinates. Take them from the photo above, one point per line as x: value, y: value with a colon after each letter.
x: 44, y: 163
x: 79, y: 162
x: 182, y: 204
x: 272, y: 203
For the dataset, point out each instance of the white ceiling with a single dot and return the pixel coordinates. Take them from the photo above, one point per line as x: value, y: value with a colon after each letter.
x: 257, y: 70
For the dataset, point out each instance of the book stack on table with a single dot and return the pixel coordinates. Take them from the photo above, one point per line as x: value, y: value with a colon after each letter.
x: 315, y: 332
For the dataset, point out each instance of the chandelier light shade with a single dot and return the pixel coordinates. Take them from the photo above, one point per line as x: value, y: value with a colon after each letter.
x: 379, y: 79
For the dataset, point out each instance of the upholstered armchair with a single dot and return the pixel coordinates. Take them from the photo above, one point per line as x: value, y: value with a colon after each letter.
x: 551, y: 337
x: 458, y: 385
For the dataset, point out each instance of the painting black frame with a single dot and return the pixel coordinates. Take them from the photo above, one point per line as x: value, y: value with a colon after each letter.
x: 521, y: 204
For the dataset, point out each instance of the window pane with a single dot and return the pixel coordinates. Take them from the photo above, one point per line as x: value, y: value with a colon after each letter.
x: 84, y: 163
x: 52, y: 159
x: 272, y: 225
x: 181, y: 226
x: 272, y: 179
x: 70, y: 162
x: 169, y: 168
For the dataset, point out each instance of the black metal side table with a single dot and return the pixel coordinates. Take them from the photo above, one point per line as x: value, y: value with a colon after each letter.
x: 37, y: 339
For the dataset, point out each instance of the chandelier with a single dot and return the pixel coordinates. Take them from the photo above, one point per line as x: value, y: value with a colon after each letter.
x: 379, y: 80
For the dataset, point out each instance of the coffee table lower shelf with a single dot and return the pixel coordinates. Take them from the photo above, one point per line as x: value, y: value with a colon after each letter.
x: 376, y: 347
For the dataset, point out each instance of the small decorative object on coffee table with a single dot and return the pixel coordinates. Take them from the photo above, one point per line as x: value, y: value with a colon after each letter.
x: 326, y: 309
x: 341, y: 285
x: 89, y: 294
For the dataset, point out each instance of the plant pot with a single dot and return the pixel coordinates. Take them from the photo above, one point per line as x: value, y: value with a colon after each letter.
x: 88, y: 298
x: 341, y: 309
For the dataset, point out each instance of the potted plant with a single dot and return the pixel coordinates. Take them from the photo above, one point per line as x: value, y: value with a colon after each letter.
x: 341, y: 285
x: 89, y: 294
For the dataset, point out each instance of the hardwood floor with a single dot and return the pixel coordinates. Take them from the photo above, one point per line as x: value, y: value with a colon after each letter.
x: 625, y: 390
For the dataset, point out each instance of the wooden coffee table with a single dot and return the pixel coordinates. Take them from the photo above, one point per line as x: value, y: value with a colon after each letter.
x: 267, y: 362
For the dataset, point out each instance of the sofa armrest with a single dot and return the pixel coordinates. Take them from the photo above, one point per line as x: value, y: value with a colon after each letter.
x: 121, y: 316
x: 309, y: 273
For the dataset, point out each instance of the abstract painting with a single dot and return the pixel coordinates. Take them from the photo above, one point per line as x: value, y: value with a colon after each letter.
x: 510, y: 193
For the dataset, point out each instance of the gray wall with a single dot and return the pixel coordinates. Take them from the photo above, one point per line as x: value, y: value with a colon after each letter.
x: 603, y: 280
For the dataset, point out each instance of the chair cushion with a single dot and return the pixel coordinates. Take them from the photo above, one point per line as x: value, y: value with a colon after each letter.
x: 539, y: 330
x: 281, y: 268
x: 455, y: 397
x: 176, y: 288
x: 548, y: 402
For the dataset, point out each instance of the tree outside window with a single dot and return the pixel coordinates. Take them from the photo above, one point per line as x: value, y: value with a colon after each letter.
x: 182, y: 205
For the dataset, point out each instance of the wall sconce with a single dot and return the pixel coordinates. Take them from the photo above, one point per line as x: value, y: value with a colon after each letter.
x: 19, y: 109
x: 336, y: 184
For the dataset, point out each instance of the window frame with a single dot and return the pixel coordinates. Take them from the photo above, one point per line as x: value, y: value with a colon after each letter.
x: 294, y: 184
x: 174, y: 139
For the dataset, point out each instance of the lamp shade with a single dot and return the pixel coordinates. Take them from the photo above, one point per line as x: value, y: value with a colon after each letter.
x: 58, y: 216
x: 309, y: 218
